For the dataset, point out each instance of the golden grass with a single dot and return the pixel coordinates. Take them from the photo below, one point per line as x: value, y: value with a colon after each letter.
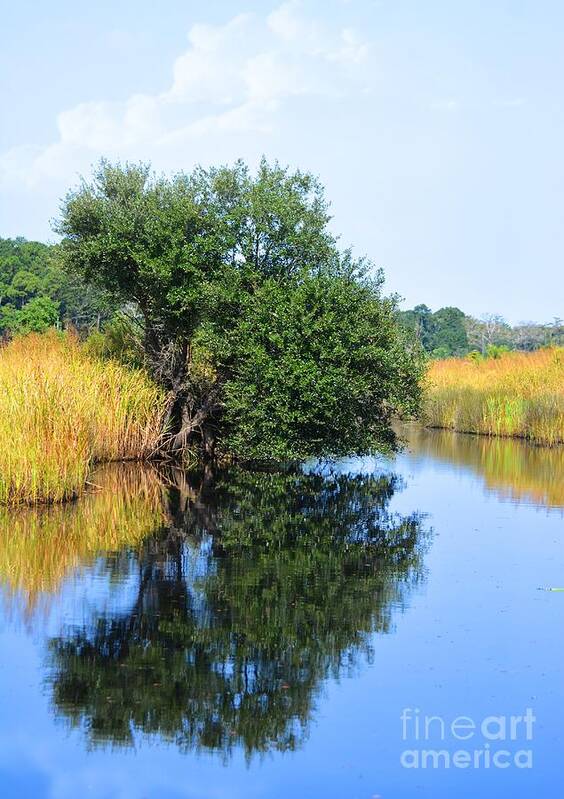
x: 61, y: 411
x: 41, y: 545
x: 519, y: 394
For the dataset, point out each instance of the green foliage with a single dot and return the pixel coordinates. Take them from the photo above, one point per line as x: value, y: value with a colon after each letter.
x: 496, y: 350
x: 419, y: 322
x: 36, y: 316
x: 316, y: 366
x: 440, y: 352
x: 442, y: 334
x: 23, y: 287
x: 450, y: 332
x: 492, y: 351
x: 35, y: 293
x: 140, y: 240
x: 269, y: 340
x: 119, y: 340
x: 181, y: 249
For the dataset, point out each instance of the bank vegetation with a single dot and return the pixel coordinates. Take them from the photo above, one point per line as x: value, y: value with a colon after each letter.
x: 515, y: 394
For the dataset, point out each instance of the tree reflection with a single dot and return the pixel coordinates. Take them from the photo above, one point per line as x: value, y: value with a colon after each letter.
x: 260, y: 587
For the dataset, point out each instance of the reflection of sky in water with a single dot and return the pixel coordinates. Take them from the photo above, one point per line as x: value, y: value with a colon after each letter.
x: 476, y: 639
x: 92, y: 590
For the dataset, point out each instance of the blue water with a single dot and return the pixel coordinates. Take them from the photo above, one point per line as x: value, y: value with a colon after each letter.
x: 176, y: 686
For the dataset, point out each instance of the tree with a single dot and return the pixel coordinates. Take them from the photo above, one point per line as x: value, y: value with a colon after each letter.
x: 556, y: 332
x: 36, y: 316
x: 528, y: 336
x: 24, y: 286
x: 420, y: 322
x: 450, y: 332
x: 490, y: 329
x: 441, y: 334
x: 531, y: 335
x: 302, y: 361
x: 247, y: 308
x: 29, y: 270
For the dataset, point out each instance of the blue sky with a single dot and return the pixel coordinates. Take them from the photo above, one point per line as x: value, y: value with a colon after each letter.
x: 436, y: 127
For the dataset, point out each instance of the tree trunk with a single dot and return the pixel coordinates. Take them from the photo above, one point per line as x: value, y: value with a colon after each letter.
x: 190, y: 409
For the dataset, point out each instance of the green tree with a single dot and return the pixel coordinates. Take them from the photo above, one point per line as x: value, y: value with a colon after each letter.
x: 230, y: 277
x: 490, y: 329
x: 419, y: 321
x: 30, y: 270
x: 441, y: 334
x: 450, y: 331
x: 303, y: 361
x: 36, y: 316
x: 23, y: 287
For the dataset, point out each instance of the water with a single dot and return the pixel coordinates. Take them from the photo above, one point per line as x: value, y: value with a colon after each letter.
x: 262, y: 635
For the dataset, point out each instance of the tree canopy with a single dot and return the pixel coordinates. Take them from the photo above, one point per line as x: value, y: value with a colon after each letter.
x: 36, y: 294
x: 271, y: 341
x: 441, y: 334
x: 450, y: 332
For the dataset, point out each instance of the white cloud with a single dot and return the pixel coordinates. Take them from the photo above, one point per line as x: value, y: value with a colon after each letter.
x: 233, y: 77
x: 210, y: 71
x: 352, y: 49
x: 290, y: 25
x: 287, y: 23
x: 270, y: 78
x: 447, y: 104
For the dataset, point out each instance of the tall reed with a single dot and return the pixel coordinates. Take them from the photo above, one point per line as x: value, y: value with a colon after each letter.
x: 62, y: 410
x: 518, y: 394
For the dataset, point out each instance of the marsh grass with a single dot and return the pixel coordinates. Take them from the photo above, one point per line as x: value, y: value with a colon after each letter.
x: 518, y: 394
x: 61, y: 411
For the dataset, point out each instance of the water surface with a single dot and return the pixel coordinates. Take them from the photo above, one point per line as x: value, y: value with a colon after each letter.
x: 261, y: 634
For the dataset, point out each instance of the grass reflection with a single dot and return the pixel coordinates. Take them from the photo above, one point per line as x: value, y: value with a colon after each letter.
x: 512, y: 468
x: 41, y: 545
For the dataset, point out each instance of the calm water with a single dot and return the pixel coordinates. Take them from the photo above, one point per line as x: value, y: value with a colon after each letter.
x: 262, y: 635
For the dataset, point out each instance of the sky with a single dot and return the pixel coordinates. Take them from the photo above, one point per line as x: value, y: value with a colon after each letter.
x: 436, y: 127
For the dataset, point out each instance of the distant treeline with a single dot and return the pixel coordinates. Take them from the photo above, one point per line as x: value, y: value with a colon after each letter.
x: 36, y: 294
x: 449, y: 331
